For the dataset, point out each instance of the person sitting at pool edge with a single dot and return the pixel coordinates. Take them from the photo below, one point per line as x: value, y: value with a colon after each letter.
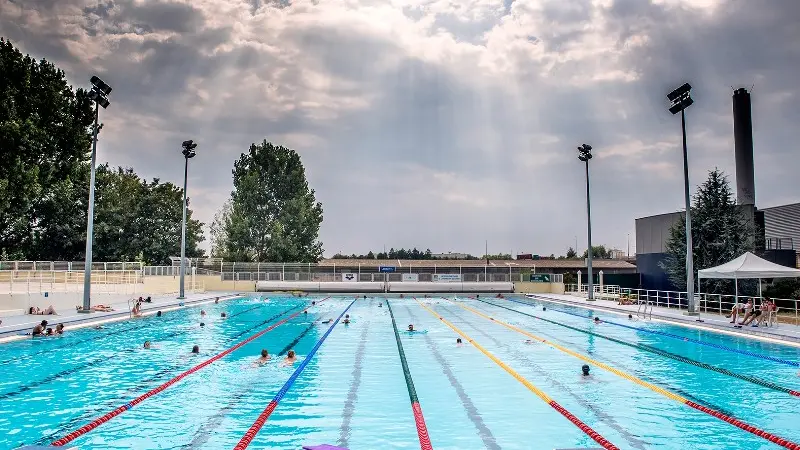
x: 60, y: 329
x: 741, y: 308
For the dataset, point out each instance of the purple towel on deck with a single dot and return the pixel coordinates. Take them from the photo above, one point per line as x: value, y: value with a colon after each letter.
x: 322, y: 447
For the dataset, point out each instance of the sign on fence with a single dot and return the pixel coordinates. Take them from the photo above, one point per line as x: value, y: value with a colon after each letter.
x: 540, y: 277
x: 349, y: 277
x: 447, y: 277
x: 387, y: 269
x: 410, y: 277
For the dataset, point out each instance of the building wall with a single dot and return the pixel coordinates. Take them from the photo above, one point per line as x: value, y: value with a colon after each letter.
x: 783, y: 222
x: 652, y: 232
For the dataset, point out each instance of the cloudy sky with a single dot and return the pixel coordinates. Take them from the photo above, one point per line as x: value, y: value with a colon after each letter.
x: 438, y: 123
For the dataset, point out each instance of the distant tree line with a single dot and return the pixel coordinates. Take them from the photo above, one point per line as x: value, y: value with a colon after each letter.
x: 45, y: 137
x: 391, y: 254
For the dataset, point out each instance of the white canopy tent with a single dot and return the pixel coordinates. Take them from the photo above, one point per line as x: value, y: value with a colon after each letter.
x: 748, y: 266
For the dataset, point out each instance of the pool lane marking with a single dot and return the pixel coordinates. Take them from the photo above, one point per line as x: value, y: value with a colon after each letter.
x: 419, y: 419
x: 484, y: 432
x: 24, y: 388
x: 352, y: 393
x: 632, y: 439
x: 719, y: 415
x: 105, y: 418
x: 262, y: 418
x: 674, y: 389
x: 664, y: 353
x: 671, y: 321
x: 539, y: 393
x: 204, y: 433
x: 682, y: 338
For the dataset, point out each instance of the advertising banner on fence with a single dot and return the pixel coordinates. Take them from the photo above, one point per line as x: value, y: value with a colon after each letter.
x: 410, y: 277
x: 349, y: 277
x: 447, y: 277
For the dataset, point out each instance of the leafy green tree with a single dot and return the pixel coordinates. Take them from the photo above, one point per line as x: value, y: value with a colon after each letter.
x: 499, y: 256
x: 44, y: 140
x: 274, y: 215
x: 571, y: 253
x: 598, y: 252
x: 720, y: 233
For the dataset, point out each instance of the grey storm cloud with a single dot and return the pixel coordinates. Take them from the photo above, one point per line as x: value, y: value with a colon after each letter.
x: 436, y: 123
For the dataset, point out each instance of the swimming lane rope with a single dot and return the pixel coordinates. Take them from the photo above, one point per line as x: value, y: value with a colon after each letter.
x: 687, y: 339
x: 719, y: 415
x: 664, y: 353
x: 539, y: 393
x: 103, y: 419
x: 262, y: 418
x: 419, y: 419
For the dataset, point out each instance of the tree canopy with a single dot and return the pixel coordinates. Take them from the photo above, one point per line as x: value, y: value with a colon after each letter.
x: 720, y: 233
x: 598, y: 252
x: 273, y: 215
x: 44, y: 179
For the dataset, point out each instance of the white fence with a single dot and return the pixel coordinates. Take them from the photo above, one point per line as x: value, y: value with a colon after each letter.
x: 788, y: 309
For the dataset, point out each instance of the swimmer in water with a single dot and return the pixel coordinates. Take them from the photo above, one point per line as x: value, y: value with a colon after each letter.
x: 544, y: 308
x: 313, y: 302
x: 263, y: 358
x: 458, y: 342
x: 596, y: 320
x: 585, y: 370
x: 224, y: 315
x: 411, y: 328
x: 202, y: 324
x: 196, y: 350
x: 327, y: 321
x: 380, y: 305
x: 291, y: 357
x: 146, y: 345
x: 202, y: 313
x: 528, y: 341
x: 158, y: 314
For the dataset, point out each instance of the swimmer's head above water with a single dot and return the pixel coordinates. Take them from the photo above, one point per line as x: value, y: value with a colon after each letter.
x: 196, y: 349
x: 585, y: 370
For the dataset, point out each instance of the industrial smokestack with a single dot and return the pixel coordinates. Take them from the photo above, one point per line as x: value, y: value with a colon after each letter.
x: 743, y: 142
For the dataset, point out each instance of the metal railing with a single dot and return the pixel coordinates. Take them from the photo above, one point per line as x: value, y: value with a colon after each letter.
x: 57, y: 281
x: 788, y: 309
x: 68, y: 265
x: 312, y: 272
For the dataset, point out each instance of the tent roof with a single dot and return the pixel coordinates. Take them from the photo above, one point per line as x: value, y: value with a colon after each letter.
x: 749, y: 266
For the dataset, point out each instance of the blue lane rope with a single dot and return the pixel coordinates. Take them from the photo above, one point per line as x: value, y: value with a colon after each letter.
x: 682, y: 338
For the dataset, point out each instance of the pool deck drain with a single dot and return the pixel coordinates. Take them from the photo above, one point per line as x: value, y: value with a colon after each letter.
x: 786, y: 334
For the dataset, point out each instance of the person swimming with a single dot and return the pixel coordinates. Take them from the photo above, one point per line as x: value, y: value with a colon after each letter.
x: 202, y: 313
x: 411, y: 328
x: 158, y: 314
x: 224, y: 315
x: 327, y: 321
x: 291, y: 357
x: 202, y: 324
x: 458, y: 342
x: 313, y: 302
x: 60, y: 328
x: 39, y: 330
x: 263, y: 358
x: 544, y: 308
x: 380, y: 305
x: 585, y: 370
x: 596, y: 320
x: 196, y: 350
x: 147, y: 345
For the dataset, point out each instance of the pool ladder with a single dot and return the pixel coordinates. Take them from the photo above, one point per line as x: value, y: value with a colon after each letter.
x: 642, y: 312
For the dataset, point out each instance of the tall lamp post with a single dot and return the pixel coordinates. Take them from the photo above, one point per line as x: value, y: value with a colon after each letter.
x: 680, y: 99
x: 585, y: 154
x: 188, y: 152
x: 98, y: 94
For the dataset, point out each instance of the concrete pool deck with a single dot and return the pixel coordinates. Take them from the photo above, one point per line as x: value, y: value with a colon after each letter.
x: 784, y: 333
x: 13, y: 326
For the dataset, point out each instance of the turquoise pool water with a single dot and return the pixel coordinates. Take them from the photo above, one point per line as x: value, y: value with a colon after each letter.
x: 353, y: 392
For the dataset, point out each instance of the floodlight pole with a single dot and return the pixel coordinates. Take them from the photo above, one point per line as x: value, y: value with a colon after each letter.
x: 183, y: 230
x: 87, y: 270
x: 590, y: 283
x: 692, y: 307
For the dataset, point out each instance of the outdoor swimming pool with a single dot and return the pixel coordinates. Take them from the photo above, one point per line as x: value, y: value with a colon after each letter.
x: 354, y: 393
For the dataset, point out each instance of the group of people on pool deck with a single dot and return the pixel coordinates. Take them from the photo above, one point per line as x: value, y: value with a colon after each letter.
x: 752, y: 316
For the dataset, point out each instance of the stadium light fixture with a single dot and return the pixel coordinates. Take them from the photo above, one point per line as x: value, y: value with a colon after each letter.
x: 584, y: 155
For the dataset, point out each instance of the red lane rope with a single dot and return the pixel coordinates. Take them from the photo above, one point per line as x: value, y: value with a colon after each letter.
x: 105, y: 418
x: 251, y: 433
x: 583, y: 427
x: 746, y: 427
x: 422, y: 430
